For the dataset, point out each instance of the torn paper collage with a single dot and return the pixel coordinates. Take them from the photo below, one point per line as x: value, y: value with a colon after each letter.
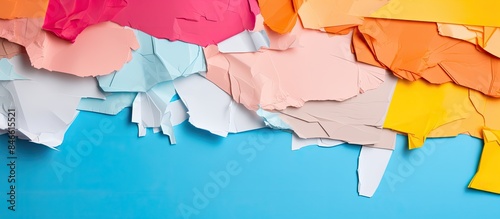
x: 354, y: 73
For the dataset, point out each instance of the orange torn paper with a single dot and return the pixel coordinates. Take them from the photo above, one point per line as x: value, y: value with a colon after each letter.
x: 11, y: 9
x: 414, y: 50
x: 99, y: 50
x: 280, y: 15
x: 479, y: 13
x: 487, y: 177
x: 332, y: 16
x: 487, y: 38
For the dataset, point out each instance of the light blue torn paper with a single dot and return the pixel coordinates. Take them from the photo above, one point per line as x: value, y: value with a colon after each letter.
x: 112, y: 105
x: 7, y: 72
x: 156, y: 61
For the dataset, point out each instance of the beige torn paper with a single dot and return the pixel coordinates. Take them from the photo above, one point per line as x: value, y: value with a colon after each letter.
x: 9, y: 49
x: 357, y: 121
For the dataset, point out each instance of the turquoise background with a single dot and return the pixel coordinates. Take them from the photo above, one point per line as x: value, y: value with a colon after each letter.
x: 124, y: 176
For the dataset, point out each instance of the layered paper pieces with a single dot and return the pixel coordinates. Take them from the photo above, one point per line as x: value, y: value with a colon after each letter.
x: 100, y: 49
x: 45, y: 102
x: 423, y: 110
x: 8, y: 49
x: 280, y: 15
x: 156, y: 61
x: 23, y: 9
x: 487, y: 177
x: 321, y: 68
x: 414, y: 50
x: 216, y: 112
x: 487, y: 38
x: 66, y: 19
x: 333, y: 16
x: 479, y: 13
x: 149, y: 109
x: 202, y: 22
x: 111, y: 105
x: 357, y: 121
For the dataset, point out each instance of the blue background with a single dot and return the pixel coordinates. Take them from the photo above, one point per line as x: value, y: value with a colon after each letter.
x: 129, y: 177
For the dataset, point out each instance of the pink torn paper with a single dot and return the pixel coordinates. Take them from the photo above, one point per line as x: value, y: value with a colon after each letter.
x: 316, y: 67
x: 100, y: 49
x: 202, y: 22
x: 68, y: 18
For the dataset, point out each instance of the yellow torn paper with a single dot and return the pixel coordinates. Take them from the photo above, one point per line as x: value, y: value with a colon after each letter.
x: 417, y: 108
x: 426, y: 110
x: 487, y: 38
x: 479, y: 13
x: 487, y: 177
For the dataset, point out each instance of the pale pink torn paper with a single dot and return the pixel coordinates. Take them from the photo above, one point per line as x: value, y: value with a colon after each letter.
x: 301, y: 66
x: 99, y: 50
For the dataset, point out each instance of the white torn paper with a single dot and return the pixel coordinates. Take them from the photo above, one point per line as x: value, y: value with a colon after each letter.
x: 216, y: 111
x: 45, y: 103
x: 245, y: 41
x: 372, y: 163
x: 149, y: 109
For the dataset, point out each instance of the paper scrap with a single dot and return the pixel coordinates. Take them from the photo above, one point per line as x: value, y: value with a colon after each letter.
x: 8, y: 49
x: 436, y: 58
x: 280, y: 15
x: 156, y: 61
x: 201, y: 22
x: 216, y: 112
x: 23, y: 9
x: 372, y: 163
x: 112, y: 104
x: 45, y: 103
x: 332, y: 16
x: 66, y: 19
x: 321, y: 68
x: 358, y: 120
x: 245, y: 42
x: 100, y: 49
x: 298, y: 143
x: 426, y: 110
x: 272, y: 119
x: 149, y: 109
x: 484, y: 13
x: 7, y: 72
x: 371, y: 167
x: 487, y: 38
x: 487, y: 177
